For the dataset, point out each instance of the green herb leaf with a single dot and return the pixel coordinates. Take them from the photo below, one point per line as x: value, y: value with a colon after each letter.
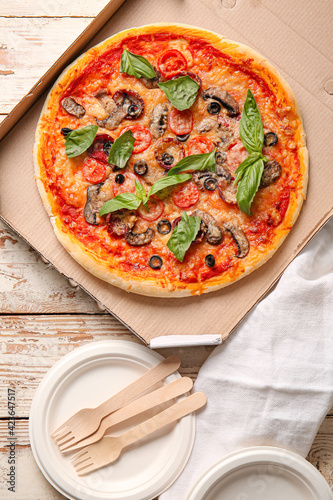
x: 250, y: 125
x: 79, y: 140
x: 141, y: 194
x: 252, y: 158
x: 124, y: 200
x: 168, y: 181
x: 249, y: 183
x: 203, y: 161
x: 183, y: 235
x: 135, y: 65
x: 181, y: 91
x: 121, y: 149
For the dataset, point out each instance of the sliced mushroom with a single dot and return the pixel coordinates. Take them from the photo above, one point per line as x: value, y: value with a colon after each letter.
x: 115, y: 118
x: 227, y: 191
x: 97, y: 195
x: 240, y: 239
x: 168, y: 152
x: 272, y: 171
x: 226, y: 99
x: 220, y: 155
x: 72, y: 107
x: 136, y: 106
x: 206, y: 125
x: 152, y: 83
x: 209, y: 227
x: 106, y: 101
x: 159, y: 120
x: 139, y: 239
x: 120, y: 222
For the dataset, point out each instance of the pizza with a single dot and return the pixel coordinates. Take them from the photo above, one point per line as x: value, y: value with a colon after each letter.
x: 171, y: 161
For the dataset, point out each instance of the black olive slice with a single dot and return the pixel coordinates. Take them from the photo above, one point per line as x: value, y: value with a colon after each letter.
x: 164, y: 226
x: 210, y: 260
x: 106, y: 147
x: 167, y: 159
x: 120, y: 179
x: 140, y: 167
x: 182, y: 138
x: 65, y: 131
x: 210, y: 183
x: 270, y: 139
x: 155, y: 262
x: 214, y: 108
x: 132, y: 110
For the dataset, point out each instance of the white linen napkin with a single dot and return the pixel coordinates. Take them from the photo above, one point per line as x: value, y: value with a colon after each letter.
x: 271, y: 382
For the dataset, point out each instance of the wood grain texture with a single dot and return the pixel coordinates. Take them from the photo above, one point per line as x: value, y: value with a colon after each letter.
x: 51, y: 8
x: 28, y: 47
x: 27, y: 285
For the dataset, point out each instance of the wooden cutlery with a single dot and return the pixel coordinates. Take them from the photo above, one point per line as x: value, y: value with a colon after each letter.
x: 86, y: 421
x: 109, y: 448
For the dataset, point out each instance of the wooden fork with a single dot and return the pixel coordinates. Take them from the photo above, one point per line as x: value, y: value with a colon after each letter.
x: 109, y: 448
x: 136, y: 407
x: 86, y: 421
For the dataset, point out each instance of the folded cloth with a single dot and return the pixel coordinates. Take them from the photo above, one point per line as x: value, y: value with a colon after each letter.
x: 271, y: 382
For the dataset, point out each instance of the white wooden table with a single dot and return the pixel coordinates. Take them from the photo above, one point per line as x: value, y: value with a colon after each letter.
x: 41, y: 317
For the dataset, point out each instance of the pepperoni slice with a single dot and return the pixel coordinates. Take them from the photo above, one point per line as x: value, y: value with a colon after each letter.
x: 186, y: 195
x: 156, y: 209
x: 142, y: 137
x: 199, y: 145
x: 128, y: 186
x: 235, y: 155
x: 180, y: 122
x: 93, y: 171
x: 100, y: 148
x: 171, y: 62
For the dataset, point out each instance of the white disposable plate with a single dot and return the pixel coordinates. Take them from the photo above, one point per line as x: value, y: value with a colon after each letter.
x: 85, y: 378
x: 261, y: 473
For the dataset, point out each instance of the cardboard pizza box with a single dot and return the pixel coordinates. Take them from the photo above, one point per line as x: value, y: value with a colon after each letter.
x: 296, y: 38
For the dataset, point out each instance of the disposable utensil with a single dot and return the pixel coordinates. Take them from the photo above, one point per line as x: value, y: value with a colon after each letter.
x: 136, y: 407
x: 109, y: 448
x: 86, y: 421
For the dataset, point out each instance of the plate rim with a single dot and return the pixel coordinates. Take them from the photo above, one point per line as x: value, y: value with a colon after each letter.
x: 86, y: 353
x: 259, y: 454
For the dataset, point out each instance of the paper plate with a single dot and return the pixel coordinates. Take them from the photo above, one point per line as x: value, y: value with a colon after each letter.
x: 261, y: 473
x: 85, y: 378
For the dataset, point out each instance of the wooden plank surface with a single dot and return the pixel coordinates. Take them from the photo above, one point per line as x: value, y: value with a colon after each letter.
x: 41, y: 316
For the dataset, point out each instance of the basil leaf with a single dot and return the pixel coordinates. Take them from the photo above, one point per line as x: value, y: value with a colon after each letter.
x: 183, y: 235
x: 252, y: 158
x: 168, y: 181
x: 135, y: 65
x: 203, y: 161
x: 181, y: 92
x: 249, y: 184
x: 250, y: 125
x: 121, y: 149
x: 79, y: 140
x: 141, y: 194
x: 124, y: 200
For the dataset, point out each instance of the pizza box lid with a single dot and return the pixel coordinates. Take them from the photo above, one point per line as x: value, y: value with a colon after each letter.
x: 296, y: 38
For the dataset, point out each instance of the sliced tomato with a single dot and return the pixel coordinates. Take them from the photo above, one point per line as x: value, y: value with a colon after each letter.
x: 186, y: 195
x: 100, y: 148
x: 199, y: 145
x: 171, y: 62
x: 180, y: 122
x: 142, y: 137
x: 93, y: 171
x: 155, y: 207
x: 128, y: 186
